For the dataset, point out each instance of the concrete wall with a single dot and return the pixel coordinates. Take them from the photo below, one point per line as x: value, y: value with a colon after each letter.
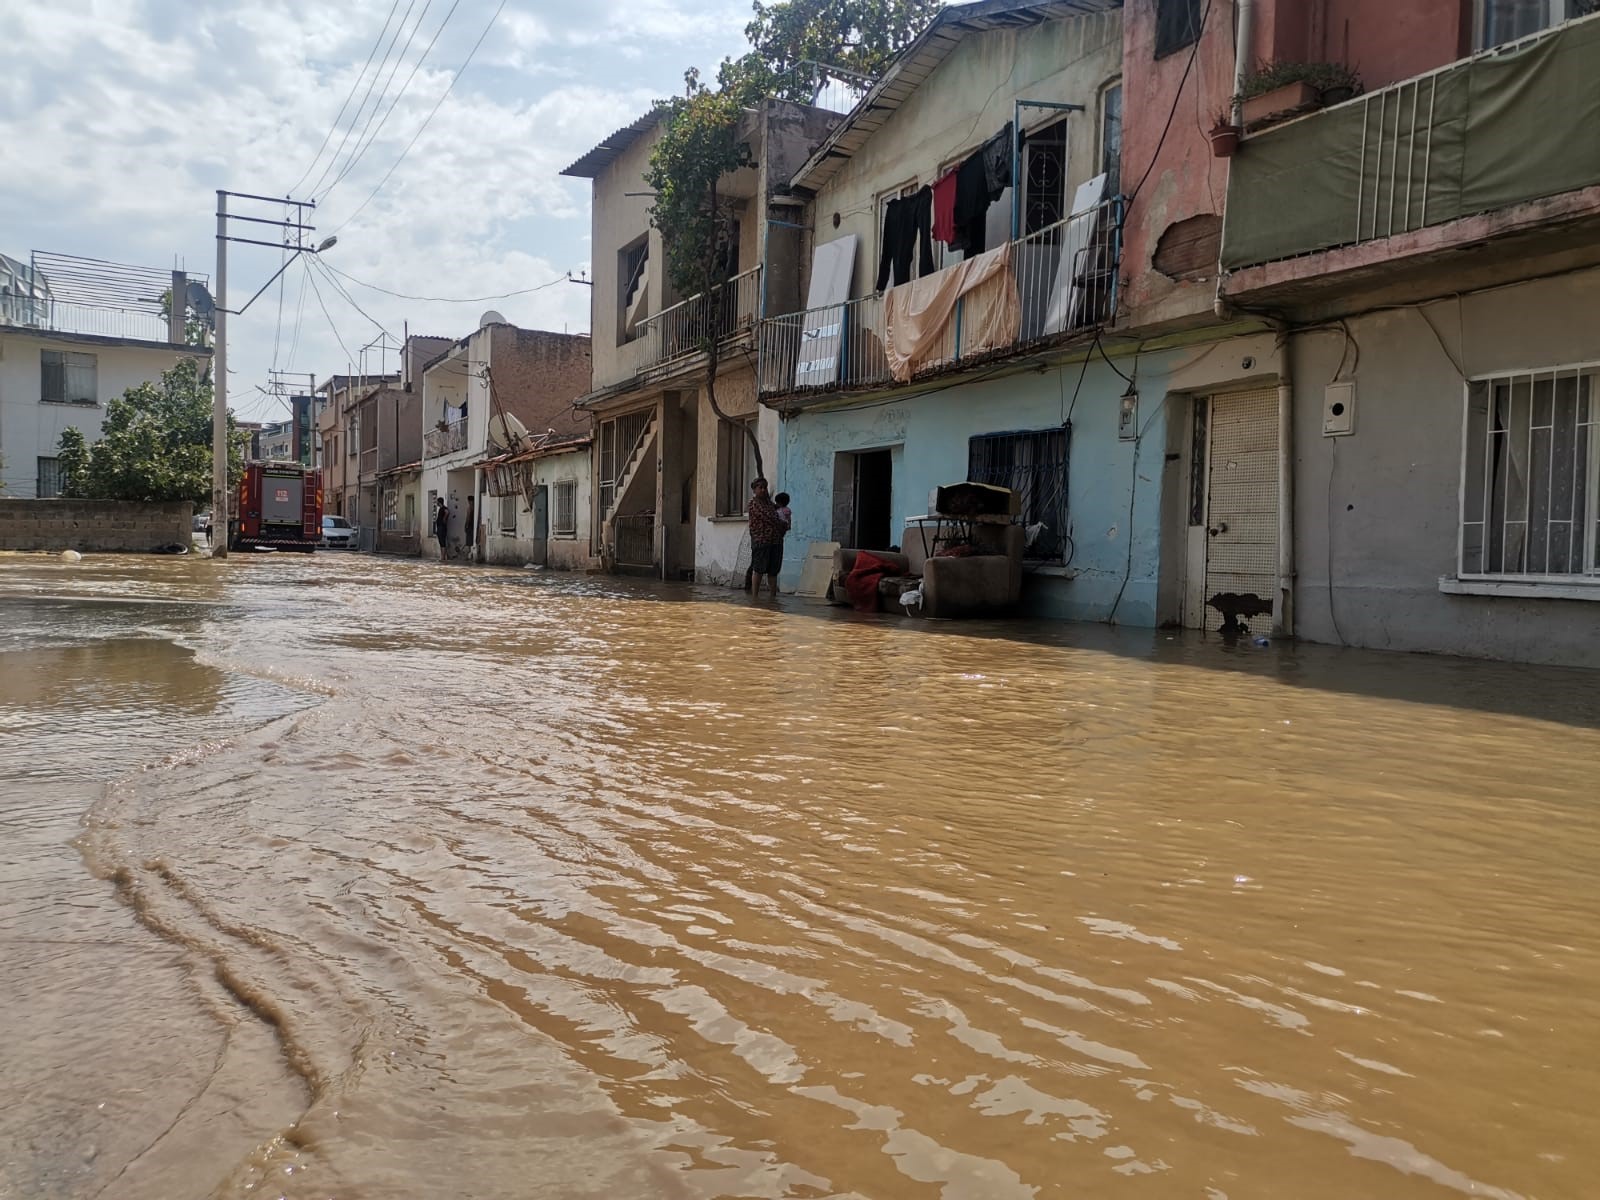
x: 1385, y: 42
x: 929, y: 435
x: 617, y: 220
x: 93, y: 525
x: 31, y: 429
x: 720, y: 555
x: 1387, y: 524
x: 958, y: 108
x: 537, y: 376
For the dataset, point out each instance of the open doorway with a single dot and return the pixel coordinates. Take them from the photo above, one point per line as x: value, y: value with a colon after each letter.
x: 863, y: 507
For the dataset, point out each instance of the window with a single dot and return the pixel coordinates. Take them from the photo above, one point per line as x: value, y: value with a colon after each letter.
x: 1111, y: 137
x: 68, y: 378
x: 353, y: 437
x: 1177, y: 25
x: 410, y: 525
x: 566, y: 515
x: 1530, y: 486
x: 49, y: 484
x: 1502, y: 21
x: 1034, y: 465
x: 633, y: 289
x: 508, y: 513
x: 736, y: 466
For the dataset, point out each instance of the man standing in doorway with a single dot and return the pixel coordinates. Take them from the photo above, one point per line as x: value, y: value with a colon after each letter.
x: 441, y: 528
x: 766, y: 538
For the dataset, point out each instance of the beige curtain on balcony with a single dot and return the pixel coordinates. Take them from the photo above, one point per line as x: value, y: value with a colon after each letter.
x: 919, y: 318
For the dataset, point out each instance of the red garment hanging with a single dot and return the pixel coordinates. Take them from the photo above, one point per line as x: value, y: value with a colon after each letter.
x: 944, y: 209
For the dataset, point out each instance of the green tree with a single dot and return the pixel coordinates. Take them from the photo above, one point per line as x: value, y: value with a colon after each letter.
x: 155, y: 444
x: 700, y: 142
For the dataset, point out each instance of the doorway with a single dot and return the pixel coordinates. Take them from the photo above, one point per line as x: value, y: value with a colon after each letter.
x: 871, y: 492
x: 1232, y: 559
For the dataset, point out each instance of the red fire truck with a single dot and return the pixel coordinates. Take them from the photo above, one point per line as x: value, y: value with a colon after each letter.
x: 278, y: 506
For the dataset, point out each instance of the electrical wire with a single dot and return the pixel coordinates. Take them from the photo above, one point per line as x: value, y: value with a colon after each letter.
x: 299, y: 313
x: 354, y: 84
x: 340, y: 289
x: 362, y: 139
x: 365, y: 96
x: 1176, y: 99
x: 366, y: 145
x: 426, y: 120
x: 446, y: 299
x: 1333, y: 466
x: 316, y: 291
x: 1133, y: 495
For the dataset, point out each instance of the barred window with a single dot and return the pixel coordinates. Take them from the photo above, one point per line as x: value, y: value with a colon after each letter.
x: 1530, y: 489
x: 566, y: 507
x: 49, y: 482
x: 1034, y: 465
x: 508, y: 513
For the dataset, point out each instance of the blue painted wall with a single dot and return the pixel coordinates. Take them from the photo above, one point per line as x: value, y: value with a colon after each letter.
x: 931, y: 431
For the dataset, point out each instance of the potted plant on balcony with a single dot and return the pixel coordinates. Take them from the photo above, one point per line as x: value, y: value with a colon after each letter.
x: 1277, y: 91
x: 1224, y: 136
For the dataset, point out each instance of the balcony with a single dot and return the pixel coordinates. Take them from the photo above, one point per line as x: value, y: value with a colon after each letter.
x: 1495, y: 149
x: 684, y: 330
x: 1055, y: 285
x: 446, y: 439
x: 61, y: 293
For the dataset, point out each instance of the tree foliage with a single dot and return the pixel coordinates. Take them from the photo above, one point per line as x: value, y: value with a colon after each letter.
x: 195, y: 331
x: 700, y: 141
x: 155, y: 445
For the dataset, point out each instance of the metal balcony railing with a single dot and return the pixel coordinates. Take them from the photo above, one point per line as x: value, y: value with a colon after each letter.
x: 447, y: 440
x: 1066, y: 280
x: 686, y: 328
x: 58, y: 316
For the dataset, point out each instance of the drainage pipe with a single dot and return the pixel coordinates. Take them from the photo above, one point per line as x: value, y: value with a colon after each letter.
x: 1245, y: 14
x: 1283, y: 610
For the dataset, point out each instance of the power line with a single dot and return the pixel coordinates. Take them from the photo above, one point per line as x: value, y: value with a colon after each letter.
x: 425, y: 121
x: 360, y: 108
x: 1176, y: 97
x: 299, y: 312
x: 316, y: 291
x: 340, y: 289
x: 445, y: 299
x: 366, y: 145
x: 354, y: 84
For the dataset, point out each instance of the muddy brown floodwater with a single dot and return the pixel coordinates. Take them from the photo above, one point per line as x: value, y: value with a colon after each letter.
x: 346, y: 878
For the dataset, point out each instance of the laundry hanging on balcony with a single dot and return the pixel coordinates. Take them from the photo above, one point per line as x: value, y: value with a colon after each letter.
x: 980, y: 181
x: 920, y: 323
x: 944, y: 208
x: 906, y: 230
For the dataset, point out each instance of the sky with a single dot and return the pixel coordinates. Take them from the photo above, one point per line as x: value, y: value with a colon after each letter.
x: 121, y: 118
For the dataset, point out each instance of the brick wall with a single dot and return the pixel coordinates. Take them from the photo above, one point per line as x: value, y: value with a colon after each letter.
x: 537, y: 376
x: 93, y: 525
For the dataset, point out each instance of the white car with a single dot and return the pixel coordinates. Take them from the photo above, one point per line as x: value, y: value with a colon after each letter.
x: 339, y: 534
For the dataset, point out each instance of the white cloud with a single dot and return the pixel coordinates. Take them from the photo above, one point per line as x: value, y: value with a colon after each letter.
x: 129, y: 113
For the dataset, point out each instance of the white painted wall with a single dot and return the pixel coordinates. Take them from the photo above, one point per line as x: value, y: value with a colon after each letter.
x: 31, y: 429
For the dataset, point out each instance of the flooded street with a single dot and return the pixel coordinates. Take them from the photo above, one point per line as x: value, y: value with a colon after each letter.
x: 333, y: 877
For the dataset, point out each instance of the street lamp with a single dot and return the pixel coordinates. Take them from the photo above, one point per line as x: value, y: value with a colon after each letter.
x: 219, y: 410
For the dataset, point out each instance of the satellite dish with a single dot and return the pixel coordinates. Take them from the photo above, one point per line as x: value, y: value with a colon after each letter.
x: 490, y: 318
x: 505, y: 431
x: 200, y: 300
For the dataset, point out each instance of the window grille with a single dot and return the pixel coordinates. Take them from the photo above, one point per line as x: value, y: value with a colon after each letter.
x: 1034, y: 465
x: 1530, y: 480
x: 566, y: 506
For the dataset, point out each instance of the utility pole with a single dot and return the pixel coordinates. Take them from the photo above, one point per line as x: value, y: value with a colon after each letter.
x: 219, y: 389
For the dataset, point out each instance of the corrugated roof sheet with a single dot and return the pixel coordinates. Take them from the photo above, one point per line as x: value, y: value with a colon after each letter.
x: 608, y: 151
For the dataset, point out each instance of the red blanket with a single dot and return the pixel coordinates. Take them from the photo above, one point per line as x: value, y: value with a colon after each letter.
x: 861, y: 585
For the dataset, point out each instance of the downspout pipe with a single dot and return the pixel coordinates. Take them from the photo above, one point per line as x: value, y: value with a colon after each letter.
x: 1245, y: 15
x: 1283, y: 610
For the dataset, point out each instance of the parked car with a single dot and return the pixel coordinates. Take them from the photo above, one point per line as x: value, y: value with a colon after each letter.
x: 339, y: 534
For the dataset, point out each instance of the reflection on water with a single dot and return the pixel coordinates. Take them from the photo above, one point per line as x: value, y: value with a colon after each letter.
x: 475, y: 883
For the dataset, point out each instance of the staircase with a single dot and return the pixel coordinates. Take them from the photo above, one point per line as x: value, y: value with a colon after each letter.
x: 643, y: 446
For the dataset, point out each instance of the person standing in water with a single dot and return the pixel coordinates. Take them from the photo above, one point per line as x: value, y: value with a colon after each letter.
x: 441, y: 528
x: 766, y: 538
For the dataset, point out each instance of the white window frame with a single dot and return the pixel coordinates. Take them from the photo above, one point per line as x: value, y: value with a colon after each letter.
x: 1525, y: 582
x: 569, y: 526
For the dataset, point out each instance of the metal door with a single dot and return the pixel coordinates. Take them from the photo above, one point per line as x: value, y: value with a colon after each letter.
x: 1241, y: 523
